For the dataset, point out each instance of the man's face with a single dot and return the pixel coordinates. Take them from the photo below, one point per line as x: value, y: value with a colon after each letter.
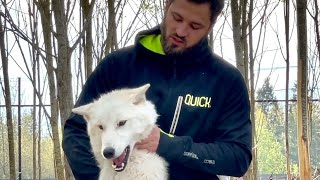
x: 185, y: 24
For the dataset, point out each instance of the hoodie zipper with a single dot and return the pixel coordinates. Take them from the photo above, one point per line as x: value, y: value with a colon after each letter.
x: 176, y: 114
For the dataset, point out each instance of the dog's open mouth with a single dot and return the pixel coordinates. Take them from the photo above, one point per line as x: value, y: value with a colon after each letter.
x: 120, y: 163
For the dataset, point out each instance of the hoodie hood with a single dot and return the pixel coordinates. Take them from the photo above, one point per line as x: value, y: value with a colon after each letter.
x: 151, y: 40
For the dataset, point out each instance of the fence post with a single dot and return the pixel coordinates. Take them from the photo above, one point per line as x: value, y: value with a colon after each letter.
x: 19, y: 128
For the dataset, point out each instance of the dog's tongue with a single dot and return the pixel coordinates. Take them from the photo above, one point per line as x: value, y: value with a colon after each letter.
x: 119, y: 160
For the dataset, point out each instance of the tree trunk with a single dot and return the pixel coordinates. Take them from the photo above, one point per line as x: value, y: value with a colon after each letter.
x: 44, y: 7
x: 63, y: 74
x: 286, y: 129
x: 236, y: 26
x: 302, y: 91
x: 244, y: 39
x: 316, y: 25
x: 111, y: 40
x: 39, y: 129
x: 7, y: 95
x: 35, y: 60
x: 239, y: 36
x: 239, y: 24
x: 87, y: 9
x: 34, y: 122
x: 253, y: 173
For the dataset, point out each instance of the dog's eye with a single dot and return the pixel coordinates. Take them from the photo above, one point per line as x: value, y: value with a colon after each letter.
x: 121, y: 123
x: 100, y: 127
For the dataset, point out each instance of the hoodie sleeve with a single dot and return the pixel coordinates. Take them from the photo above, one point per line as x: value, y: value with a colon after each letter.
x: 230, y: 152
x: 75, y: 142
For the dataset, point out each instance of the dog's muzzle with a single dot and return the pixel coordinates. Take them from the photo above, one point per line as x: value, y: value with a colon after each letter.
x: 120, y: 162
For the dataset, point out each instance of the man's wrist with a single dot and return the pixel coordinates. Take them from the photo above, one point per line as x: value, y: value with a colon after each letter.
x: 170, y: 147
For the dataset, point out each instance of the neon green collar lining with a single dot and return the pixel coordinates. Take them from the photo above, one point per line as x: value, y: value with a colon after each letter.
x: 153, y: 43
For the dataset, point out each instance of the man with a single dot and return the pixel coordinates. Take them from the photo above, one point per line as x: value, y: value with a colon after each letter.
x: 204, y: 124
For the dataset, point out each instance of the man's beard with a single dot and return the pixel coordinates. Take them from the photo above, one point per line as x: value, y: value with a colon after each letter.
x: 171, y: 49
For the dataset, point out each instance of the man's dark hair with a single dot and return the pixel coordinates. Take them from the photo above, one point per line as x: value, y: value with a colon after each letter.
x: 216, y: 7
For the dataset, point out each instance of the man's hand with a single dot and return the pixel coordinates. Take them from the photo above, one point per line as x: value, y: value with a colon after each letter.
x: 151, y: 143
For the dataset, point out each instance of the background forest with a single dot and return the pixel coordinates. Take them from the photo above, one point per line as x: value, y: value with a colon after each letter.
x: 49, y: 48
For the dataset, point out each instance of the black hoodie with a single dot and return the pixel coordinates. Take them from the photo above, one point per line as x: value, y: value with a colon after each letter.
x: 212, y: 129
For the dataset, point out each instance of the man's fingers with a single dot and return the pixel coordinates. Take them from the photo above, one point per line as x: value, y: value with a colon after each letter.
x: 151, y: 142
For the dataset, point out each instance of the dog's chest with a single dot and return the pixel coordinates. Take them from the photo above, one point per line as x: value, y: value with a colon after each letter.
x: 141, y: 166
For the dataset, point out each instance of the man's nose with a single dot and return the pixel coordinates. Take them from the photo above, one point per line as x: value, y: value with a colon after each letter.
x: 182, y: 30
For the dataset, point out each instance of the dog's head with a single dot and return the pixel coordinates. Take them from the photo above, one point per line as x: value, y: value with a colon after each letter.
x: 116, y: 121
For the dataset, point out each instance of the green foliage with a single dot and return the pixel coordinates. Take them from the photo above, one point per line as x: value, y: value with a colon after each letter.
x: 4, y: 156
x: 271, y: 137
x: 47, y: 165
x: 266, y: 93
x: 315, y: 135
x: 271, y: 110
x: 294, y: 91
x: 314, y: 107
x: 271, y: 159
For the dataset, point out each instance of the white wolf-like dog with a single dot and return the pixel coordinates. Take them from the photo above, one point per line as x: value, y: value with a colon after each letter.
x: 115, y: 122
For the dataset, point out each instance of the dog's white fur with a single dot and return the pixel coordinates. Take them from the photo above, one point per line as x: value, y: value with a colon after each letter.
x: 104, y: 117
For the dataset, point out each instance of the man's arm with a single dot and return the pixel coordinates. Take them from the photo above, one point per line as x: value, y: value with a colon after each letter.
x: 76, y: 143
x: 230, y: 153
x: 77, y: 148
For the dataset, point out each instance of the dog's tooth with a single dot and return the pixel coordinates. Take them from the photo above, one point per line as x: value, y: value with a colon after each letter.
x: 122, y: 165
x: 114, y: 166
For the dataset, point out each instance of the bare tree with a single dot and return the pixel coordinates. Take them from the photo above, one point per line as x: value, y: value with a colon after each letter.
x: 111, y: 41
x: 239, y: 25
x: 7, y: 94
x: 45, y: 11
x: 314, y: 72
x: 253, y: 174
x: 104, y: 26
x: 34, y: 56
x: 249, y: 22
x: 87, y: 9
x: 39, y: 128
x: 287, y: 59
x: 63, y: 71
x: 34, y: 53
x: 302, y: 92
x: 315, y: 18
x: 313, y: 77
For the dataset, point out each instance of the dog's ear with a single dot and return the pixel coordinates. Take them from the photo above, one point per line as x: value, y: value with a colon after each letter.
x: 140, y: 94
x: 83, y: 110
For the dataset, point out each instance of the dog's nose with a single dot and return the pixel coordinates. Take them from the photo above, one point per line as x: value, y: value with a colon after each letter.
x: 108, y: 153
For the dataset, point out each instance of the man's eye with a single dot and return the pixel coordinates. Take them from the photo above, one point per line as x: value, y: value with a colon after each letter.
x: 195, y: 27
x: 100, y: 127
x: 177, y: 18
x: 121, y: 123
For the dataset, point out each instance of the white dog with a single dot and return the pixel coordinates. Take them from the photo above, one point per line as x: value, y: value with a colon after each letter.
x: 115, y: 122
